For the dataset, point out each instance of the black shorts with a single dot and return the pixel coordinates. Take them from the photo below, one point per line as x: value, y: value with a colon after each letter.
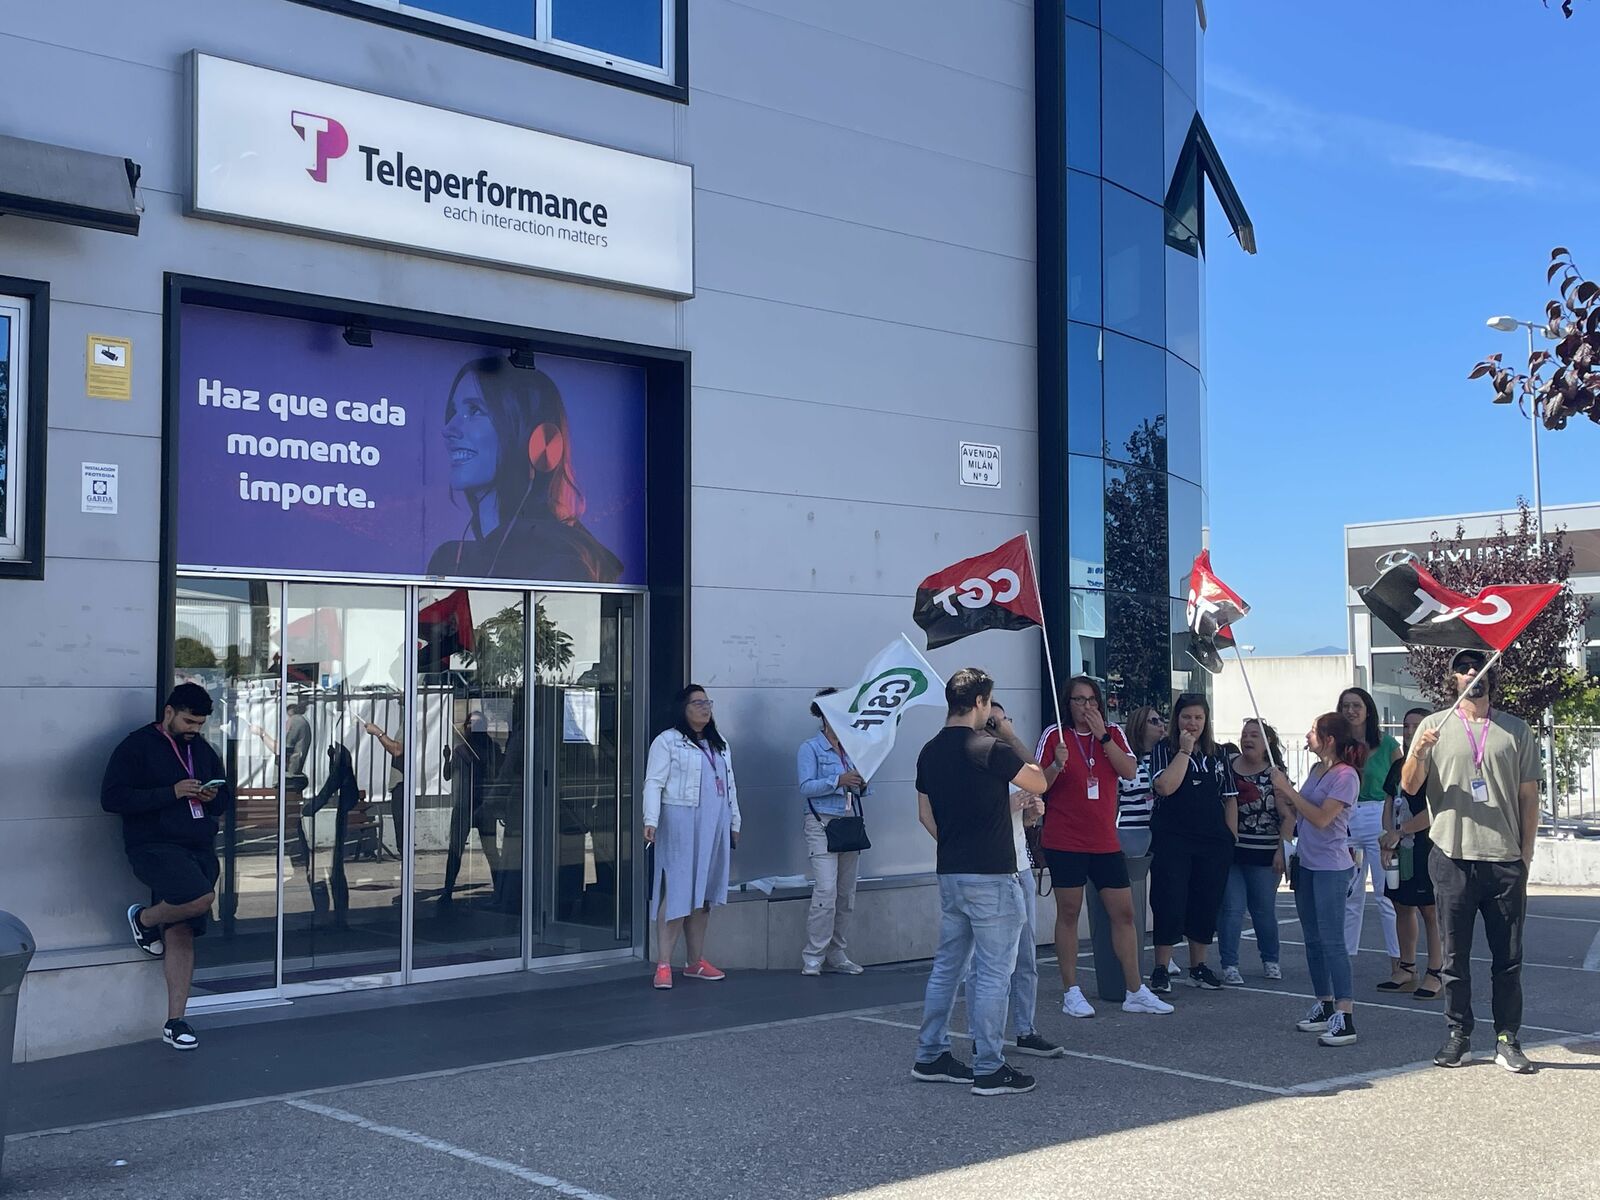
x: 176, y: 874
x: 1070, y: 868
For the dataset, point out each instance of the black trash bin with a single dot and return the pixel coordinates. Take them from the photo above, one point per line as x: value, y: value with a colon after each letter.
x: 16, y: 952
x: 1107, y: 966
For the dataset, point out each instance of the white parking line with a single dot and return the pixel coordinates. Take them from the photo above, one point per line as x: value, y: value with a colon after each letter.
x: 1591, y: 960
x: 549, y: 1182
x: 1487, y: 961
x: 1118, y: 1062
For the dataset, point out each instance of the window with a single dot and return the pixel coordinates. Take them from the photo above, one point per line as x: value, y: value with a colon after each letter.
x: 1083, y: 97
x: 1137, y: 22
x: 1184, y: 335
x: 1083, y: 247
x: 1183, y: 532
x: 1084, y: 10
x: 1086, y: 520
x: 1181, y: 53
x: 1085, y: 433
x: 633, y: 37
x: 23, y: 350
x: 1185, y: 419
x: 1136, y: 530
x: 1086, y: 650
x: 1135, y: 403
x: 1133, y: 264
x: 1131, y: 128
x: 1138, y: 668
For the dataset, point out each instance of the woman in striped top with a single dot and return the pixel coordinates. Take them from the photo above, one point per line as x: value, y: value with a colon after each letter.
x: 1145, y: 728
x: 1257, y: 856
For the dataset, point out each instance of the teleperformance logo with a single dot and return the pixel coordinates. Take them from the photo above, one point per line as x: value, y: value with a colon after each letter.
x: 878, y: 699
x: 326, y: 139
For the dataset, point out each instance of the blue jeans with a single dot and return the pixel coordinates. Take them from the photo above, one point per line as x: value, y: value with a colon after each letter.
x: 1025, y: 975
x: 1320, y: 902
x: 1257, y: 889
x: 981, y: 916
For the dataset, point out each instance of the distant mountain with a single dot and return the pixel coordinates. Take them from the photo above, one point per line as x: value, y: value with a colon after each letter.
x: 1324, y: 650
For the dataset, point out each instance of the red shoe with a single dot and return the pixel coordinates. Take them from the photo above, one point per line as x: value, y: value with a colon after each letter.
x: 663, y: 975
x: 703, y: 970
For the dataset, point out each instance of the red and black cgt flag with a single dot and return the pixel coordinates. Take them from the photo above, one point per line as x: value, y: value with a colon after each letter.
x: 1213, y: 607
x: 444, y: 629
x: 996, y: 590
x: 1421, y: 611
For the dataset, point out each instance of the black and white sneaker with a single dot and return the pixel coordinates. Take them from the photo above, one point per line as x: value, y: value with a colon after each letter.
x: 1341, y: 1030
x: 947, y: 1068
x: 148, y: 940
x: 1007, y: 1081
x: 1160, y: 980
x: 1456, y: 1051
x: 1510, y: 1056
x: 179, y: 1035
x: 1316, y: 1018
x: 1032, y: 1043
x: 1203, y: 976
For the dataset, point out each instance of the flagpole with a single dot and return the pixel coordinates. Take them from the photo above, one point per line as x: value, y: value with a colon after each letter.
x: 1254, y: 707
x: 1044, y: 631
x: 1473, y: 682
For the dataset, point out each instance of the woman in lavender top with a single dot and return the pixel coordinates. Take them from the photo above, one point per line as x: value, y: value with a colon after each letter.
x: 1320, y: 810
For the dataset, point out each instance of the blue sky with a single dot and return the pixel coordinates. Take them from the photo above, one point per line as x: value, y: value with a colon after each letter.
x: 1408, y: 168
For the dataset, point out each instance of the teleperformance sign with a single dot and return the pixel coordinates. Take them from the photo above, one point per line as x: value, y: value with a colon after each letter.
x: 282, y: 150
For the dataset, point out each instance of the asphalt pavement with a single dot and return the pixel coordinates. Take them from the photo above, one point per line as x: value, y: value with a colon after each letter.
x: 770, y: 1085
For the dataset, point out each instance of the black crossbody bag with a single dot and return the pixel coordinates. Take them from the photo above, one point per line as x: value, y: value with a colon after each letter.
x: 846, y: 834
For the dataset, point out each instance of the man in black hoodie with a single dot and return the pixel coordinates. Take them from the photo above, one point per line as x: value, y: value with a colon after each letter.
x: 166, y: 783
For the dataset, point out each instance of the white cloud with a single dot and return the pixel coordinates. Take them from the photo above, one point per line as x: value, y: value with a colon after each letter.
x: 1241, y: 111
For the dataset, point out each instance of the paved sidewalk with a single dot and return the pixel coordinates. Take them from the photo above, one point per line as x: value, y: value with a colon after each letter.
x: 772, y: 1086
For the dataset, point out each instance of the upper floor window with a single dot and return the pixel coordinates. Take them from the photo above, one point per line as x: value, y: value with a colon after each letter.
x: 22, y: 427
x: 635, y: 37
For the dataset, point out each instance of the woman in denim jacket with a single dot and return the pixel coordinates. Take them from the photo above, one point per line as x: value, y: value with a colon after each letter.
x: 831, y: 786
x: 691, y: 818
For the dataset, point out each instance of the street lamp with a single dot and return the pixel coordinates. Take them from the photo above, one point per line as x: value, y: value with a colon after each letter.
x: 1511, y: 325
x: 1546, y: 329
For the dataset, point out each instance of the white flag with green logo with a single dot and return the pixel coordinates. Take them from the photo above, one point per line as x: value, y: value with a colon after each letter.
x: 867, y: 716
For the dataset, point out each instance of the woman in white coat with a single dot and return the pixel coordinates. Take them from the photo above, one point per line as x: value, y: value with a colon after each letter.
x: 691, y: 818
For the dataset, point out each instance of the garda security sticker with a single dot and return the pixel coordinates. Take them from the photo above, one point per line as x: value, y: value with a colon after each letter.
x: 100, y: 488
x: 108, y: 368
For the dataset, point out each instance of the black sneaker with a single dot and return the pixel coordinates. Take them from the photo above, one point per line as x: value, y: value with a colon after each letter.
x: 1161, y: 980
x: 179, y: 1035
x: 1316, y: 1018
x: 1341, y: 1030
x: 1007, y: 1081
x: 148, y: 940
x: 1032, y: 1043
x: 947, y: 1068
x: 1456, y: 1051
x: 1204, y: 977
x: 1510, y: 1056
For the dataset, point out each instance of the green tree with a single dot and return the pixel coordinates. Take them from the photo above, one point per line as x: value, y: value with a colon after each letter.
x: 499, y: 650
x: 1562, y: 382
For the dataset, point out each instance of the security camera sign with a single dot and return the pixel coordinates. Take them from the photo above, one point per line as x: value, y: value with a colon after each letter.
x: 100, y: 488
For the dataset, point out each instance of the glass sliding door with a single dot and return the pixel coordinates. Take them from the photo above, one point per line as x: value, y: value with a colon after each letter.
x: 583, y: 709
x: 469, y: 728
x: 226, y: 638
x: 344, y: 649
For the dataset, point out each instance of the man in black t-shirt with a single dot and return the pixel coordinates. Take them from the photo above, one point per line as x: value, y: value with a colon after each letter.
x: 964, y: 782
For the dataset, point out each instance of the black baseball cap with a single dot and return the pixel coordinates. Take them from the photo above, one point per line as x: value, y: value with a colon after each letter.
x: 1468, y: 662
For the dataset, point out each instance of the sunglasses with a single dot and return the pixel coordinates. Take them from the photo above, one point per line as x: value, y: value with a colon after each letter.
x: 1154, y: 721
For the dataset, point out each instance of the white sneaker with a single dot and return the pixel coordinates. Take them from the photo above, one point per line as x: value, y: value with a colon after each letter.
x: 1231, y: 975
x: 1074, y: 1005
x: 1272, y: 970
x: 1145, y: 1001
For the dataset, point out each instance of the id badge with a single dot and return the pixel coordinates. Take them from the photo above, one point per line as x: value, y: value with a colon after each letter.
x: 1094, y: 787
x: 196, y: 809
x: 722, y: 788
x: 1480, y: 790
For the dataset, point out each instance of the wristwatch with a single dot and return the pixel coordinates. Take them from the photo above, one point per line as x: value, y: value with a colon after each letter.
x: 1105, y: 737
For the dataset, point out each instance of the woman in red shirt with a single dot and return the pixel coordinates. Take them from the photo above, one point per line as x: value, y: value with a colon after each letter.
x: 1081, y: 844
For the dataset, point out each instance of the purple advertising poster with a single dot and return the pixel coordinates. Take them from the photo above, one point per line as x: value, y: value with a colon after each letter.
x: 416, y: 456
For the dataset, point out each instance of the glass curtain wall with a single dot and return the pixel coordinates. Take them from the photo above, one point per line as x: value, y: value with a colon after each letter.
x: 1134, y: 371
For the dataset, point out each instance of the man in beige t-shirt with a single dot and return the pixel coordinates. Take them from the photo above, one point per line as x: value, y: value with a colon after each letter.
x: 1481, y: 769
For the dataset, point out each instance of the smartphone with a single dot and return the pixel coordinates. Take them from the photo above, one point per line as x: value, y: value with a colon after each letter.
x: 212, y: 785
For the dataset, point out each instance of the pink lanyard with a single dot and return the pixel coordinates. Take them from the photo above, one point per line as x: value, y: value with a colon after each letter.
x: 1087, y: 756
x: 189, y: 750
x: 1478, y: 748
x: 722, y: 787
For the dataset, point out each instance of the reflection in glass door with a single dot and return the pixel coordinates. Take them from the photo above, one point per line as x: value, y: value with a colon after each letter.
x: 345, y: 653
x: 225, y: 638
x: 583, y: 712
x: 469, y: 724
